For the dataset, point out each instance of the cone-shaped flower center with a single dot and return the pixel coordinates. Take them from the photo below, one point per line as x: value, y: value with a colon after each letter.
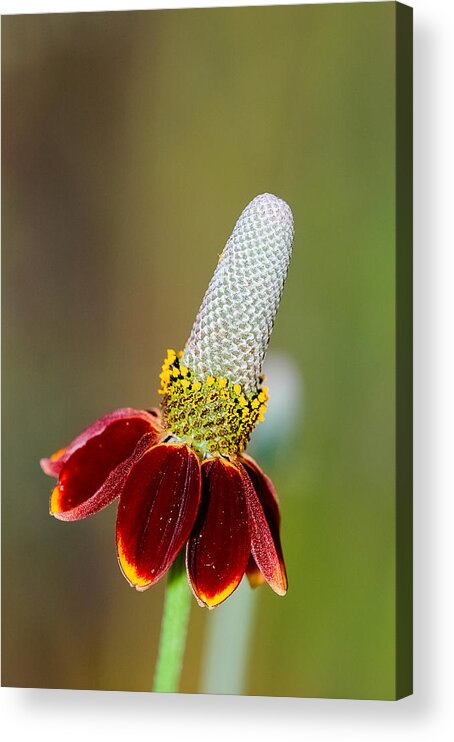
x: 212, y: 391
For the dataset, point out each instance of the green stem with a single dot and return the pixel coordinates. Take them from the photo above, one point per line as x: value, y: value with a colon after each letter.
x: 173, y: 629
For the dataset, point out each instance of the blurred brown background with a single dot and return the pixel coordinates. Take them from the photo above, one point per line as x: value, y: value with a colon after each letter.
x: 131, y: 143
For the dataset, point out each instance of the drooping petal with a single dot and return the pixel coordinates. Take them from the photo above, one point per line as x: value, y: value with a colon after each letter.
x: 92, y: 469
x: 264, y: 522
x: 263, y: 484
x: 218, y: 549
x: 54, y: 464
x: 157, y: 510
x: 255, y: 577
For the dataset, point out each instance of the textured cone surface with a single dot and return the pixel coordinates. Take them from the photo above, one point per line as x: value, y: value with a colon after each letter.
x: 232, y: 330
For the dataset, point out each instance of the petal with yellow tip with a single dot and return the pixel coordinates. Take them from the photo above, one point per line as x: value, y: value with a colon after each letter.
x: 92, y: 469
x: 157, y: 510
x: 264, y: 524
x: 218, y: 549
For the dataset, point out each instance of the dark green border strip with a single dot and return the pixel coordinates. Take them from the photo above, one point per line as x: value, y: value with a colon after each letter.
x: 404, y: 350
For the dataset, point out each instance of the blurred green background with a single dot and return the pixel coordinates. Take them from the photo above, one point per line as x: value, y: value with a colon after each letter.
x: 131, y: 143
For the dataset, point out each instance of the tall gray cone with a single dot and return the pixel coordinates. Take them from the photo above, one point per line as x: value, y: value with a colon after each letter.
x: 232, y: 330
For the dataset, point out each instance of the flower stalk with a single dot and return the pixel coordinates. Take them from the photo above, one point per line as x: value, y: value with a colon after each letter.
x: 174, y: 629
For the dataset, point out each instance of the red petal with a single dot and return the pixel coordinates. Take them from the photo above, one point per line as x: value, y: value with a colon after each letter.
x: 54, y: 464
x: 158, y: 507
x: 264, y: 521
x: 92, y: 469
x: 218, y: 550
x: 263, y: 484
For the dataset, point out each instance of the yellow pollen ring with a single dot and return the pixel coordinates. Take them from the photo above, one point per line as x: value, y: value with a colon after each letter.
x: 216, y: 415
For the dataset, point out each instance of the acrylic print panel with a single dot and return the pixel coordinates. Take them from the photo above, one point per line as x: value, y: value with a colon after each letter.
x: 132, y: 143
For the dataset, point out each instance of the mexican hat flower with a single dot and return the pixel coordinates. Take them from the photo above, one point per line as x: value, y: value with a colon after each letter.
x: 180, y: 472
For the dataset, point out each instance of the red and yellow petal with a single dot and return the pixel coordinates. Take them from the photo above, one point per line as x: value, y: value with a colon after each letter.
x: 54, y: 464
x: 264, y: 522
x: 218, y: 549
x: 158, y: 507
x: 92, y: 469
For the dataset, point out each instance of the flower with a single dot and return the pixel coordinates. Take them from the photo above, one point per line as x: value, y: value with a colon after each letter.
x: 180, y: 472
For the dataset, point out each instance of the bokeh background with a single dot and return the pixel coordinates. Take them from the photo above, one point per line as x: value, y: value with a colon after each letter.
x: 131, y: 143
